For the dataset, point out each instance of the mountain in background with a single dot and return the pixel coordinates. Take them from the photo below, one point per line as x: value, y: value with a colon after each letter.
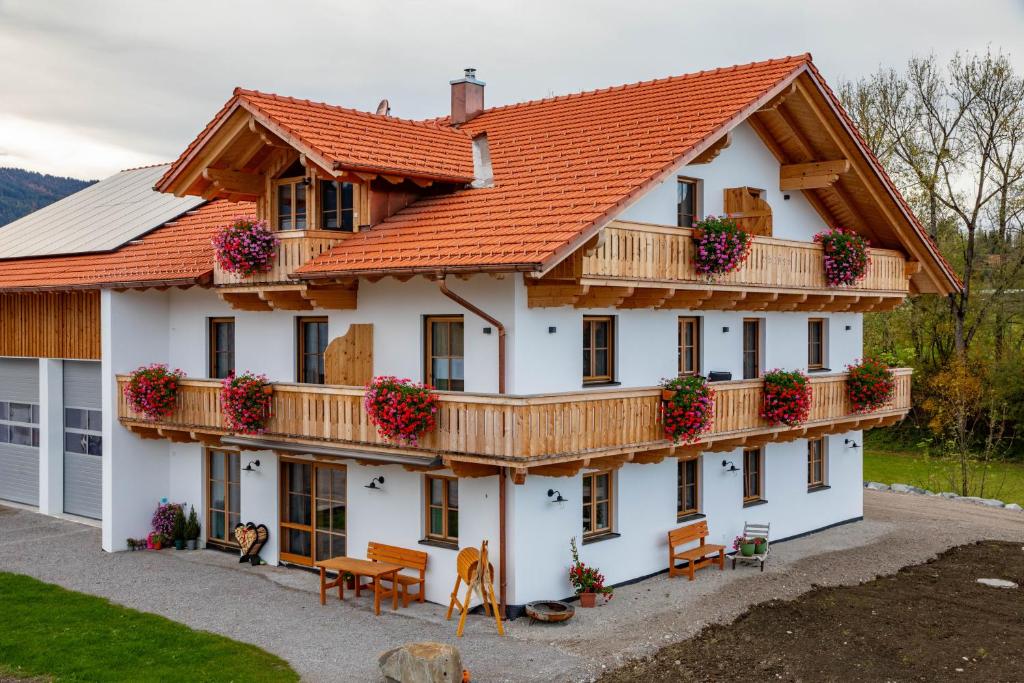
x: 22, y: 192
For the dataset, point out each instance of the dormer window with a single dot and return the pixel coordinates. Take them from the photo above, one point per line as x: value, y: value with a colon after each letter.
x: 291, y: 203
x: 337, y: 206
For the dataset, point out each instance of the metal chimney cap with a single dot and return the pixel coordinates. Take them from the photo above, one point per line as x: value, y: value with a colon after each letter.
x: 469, y: 77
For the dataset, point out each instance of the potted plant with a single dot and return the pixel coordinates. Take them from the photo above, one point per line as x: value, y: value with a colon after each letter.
x: 744, y: 545
x: 720, y: 247
x: 131, y: 544
x: 588, y: 582
x: 846, y: 256
x: 163, y: 519
x: 152, y: 390
x: 870, y: 385
x: 760, y: 545
x: 179, y: 529
x: 245, y: 402
x: 155, y: 540
x: 786, y: 397
x: 402, y: 410
x: 688, y: 408
x: 192, y: 529
x: 246, y: 247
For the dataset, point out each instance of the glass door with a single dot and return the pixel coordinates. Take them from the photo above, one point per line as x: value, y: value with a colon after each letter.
x: 313, y: 511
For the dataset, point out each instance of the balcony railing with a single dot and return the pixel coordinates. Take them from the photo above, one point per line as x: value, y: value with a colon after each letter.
x: 634, y: 258
x: 518, y: 429
x: 295, y: 250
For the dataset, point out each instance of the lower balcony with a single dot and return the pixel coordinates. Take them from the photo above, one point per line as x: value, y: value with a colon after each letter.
x: 548, y: 434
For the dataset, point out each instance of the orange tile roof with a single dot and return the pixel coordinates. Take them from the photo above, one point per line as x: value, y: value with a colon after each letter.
x: 178, y: 252
x: 354, y: 140
x: 560, y: 165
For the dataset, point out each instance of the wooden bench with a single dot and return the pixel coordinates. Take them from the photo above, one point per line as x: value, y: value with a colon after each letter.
x: 697, y: 557
x: 415, y: 560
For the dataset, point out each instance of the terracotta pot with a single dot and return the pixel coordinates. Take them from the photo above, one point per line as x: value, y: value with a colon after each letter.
x: 588, y: 599
x: 156, y: 545
x: 697, y: 233
x: 268, y: 389
x: 668, y: 394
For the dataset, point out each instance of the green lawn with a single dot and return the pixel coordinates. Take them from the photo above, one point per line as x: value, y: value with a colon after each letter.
x: 58, y: 634
x: 1004, y: 481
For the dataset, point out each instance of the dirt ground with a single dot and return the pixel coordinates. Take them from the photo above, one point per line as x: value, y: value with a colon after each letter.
x: 927, y: 622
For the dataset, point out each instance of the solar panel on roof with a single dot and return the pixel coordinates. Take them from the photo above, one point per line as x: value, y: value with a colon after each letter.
x: 102, y: 217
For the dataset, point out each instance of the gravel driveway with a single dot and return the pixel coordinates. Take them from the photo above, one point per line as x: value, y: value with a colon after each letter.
x: 278, y: 610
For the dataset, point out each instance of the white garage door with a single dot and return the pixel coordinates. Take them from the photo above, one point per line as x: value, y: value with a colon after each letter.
x: 19, y: 430
x: 83, y: 441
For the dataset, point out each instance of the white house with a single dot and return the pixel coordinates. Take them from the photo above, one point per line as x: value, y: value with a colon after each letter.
x: 534, y: 262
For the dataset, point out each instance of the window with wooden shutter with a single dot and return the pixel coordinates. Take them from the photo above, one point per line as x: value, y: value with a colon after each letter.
x: 747, y: 206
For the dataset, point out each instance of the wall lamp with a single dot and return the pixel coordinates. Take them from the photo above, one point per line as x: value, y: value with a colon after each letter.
x: 373, y: 483
x: 250, y: 468
x: 851, y: 443
x: 729, y: 466
x: 556, y: 496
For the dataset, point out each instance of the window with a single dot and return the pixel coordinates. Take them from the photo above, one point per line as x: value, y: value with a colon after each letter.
x: 445, y: 363
x: 337, y: 210
x: 442, y: 496
x: 689, y: 346
x: 687, y: 202
x: 752, y: 473
x: 314, y: 511
x: 83, y: 431
x: 688, y: 500
x: 291, y: 203
x: 222, y: 347
x: 815, y: 463
x: 311, y: 347
x: 598, y: 348
x: 597, y: 503
x: 223, y: 500
x: 751, y: 348
x: 816, y: 344
x: 19, y: 424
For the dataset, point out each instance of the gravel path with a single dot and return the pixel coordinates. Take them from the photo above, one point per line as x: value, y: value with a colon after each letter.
x: 277, y: 609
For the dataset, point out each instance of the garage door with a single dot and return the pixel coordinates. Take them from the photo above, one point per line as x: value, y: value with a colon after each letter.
x: 19, y: 430
x: 83, y: 441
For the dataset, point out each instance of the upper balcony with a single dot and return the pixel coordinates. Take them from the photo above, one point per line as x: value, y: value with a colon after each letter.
x: 549, y: 434
x: 639, y: 265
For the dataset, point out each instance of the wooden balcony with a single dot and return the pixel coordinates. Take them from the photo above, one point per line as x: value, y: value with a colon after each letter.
x: 276, y: 289
x: 552, y: 434
x: 638, y: 265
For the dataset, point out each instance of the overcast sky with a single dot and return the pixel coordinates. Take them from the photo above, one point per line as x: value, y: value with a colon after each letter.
x: 89, y: 88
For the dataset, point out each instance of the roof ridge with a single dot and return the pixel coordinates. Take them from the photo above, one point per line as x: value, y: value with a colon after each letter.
x: 801, y: 58
x: 425, y: 123
x: 139, y: 168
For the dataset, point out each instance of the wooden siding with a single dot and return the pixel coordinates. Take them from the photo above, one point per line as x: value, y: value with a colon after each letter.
x: 50, y: 324
x: 517, y: 429
x: 295, y: 250
x: 348, y: 359
x: 659, y: 255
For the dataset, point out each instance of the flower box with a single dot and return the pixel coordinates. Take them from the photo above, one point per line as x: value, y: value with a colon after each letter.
x: 786, y: 397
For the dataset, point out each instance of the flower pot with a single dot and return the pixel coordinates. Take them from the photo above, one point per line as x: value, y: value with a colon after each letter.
x: 268, y: 390
x: 191, y: 543
x: 588, y: 599
x: 667, y: 394
x: 697, y: 233
x: 747, y: 549
x: 760, y: 548
x: 156, y: 545
x: 179, y: 544
x: 350, y: 582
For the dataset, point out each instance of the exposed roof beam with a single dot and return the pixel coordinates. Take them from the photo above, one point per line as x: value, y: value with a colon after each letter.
x: 811, y: 175
x: 235, y: 181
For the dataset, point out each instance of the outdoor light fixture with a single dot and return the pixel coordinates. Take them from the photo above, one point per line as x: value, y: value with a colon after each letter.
x: 373, y: 483
x: 851, y: 443
x: 307, y: 181
x: 487, y: 330
x: 849, y: 327
x: 558, y: 496
x: 729, y: 466
x: 250, y: 468
x: 725, y: 330
x: 552, y: 329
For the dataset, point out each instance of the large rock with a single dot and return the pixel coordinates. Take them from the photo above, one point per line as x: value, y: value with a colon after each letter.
x: 990, y: 502
x: 1013, y: 506
x: 875, y: 486
x: 422, y: 663
x: 949, y: 494
x: 906, y: 488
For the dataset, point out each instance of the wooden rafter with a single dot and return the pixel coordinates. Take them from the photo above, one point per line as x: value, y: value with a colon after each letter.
x: 811, y: 175
x: 249, y: 184
x: 712, y: 152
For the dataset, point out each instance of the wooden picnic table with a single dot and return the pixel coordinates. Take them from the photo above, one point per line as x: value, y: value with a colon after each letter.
x: 357, y: 567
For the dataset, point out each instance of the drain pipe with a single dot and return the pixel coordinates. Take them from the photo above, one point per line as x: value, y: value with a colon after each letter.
x: 502, y: 471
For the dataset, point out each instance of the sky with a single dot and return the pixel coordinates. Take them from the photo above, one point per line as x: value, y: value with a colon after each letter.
x: 90, y: 88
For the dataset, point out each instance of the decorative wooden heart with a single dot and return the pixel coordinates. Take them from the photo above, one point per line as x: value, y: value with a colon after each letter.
x: 246, y: 537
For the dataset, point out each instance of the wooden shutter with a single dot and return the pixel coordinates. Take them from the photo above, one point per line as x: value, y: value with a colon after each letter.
x: 348, y: 359
x: 749, y: 210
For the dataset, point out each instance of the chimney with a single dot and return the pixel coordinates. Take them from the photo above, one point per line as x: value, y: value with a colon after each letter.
x: 467, y: 97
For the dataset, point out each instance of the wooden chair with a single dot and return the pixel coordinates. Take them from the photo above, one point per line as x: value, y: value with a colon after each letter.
x: 410, y: 559
x: 753, y: 530
x: 698, y: 557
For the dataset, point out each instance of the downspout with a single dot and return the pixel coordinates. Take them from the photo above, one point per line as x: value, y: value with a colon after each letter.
x: 502, y: 471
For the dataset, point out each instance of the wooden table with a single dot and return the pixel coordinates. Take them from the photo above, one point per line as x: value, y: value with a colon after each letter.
x: 357, y: 567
